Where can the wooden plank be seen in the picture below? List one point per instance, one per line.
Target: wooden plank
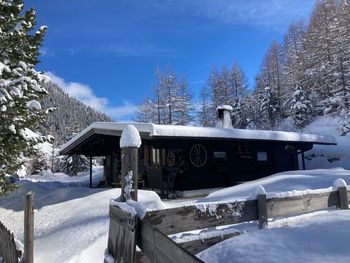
(160, 248)
(122, 241)
(343, 198)
(201, 216)
(122, 217)
(8, 248)
(197, 246)
(262, 210)
(301, 204)
(29, 228)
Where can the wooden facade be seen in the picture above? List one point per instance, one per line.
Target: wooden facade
(190, 162)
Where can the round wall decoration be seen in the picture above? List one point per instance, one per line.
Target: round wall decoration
(198, 155)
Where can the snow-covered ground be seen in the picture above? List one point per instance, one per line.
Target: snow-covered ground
(71, 220)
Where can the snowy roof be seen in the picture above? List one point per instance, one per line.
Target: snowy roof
(150, 130)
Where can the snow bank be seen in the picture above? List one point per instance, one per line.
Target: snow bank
(316, 238)
(328, 156)
(285, 184)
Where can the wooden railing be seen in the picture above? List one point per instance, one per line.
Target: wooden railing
(151, 233)
(8, 250)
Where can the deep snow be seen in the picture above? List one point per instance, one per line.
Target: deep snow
(71, 220)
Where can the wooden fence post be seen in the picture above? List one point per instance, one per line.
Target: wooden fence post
(29, 228)
(341, 185)
(130, 141)
(262, 207)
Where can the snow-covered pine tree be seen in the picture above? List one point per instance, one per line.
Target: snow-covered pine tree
(73, 164)
(268, 107)
(183, 106)
(271, 75)
(301, 108)
(238, 84)
(20, 88)
(205, 115)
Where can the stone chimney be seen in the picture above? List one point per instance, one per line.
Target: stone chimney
(224, 116)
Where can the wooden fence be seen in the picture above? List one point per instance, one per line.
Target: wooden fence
(8, 250)
(153, 230)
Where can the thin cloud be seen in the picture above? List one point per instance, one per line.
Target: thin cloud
(254, 12)
(140, 50)
(85, 94)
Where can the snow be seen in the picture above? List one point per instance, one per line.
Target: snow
(260, 190)
(34, 104)
(154, 130)
(319, 237)
(286, 184)
(224, 107)
(130, 137)
(12, 128)
(332, 155)
(338, 183)
(71, 220)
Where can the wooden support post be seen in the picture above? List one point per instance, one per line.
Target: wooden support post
(130, 141)
(343, 198)
(303, 159)
(262, 210)
(90, 171)
(29, 228)
(129, 163)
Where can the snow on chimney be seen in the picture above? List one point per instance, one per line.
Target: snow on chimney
(224, 116)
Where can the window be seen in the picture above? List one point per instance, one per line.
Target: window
(261, 156)
(220, 155)
(155, 156)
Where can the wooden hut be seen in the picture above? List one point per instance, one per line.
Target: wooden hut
(188, 158)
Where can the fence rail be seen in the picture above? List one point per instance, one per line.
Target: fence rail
(153, 230)
(8, 250)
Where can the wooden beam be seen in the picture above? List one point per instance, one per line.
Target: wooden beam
(301, 204)
(199, 245)
(159, 248)
(181, 219)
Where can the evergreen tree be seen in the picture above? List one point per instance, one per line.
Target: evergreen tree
(20, 87)
(74, 164)
(268, 107)
(205, 116)
(301, 108)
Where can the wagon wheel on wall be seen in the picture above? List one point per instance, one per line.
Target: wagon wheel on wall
(198, 155)
(170, 159)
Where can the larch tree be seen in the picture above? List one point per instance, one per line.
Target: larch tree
(20, 87)
(293, 61)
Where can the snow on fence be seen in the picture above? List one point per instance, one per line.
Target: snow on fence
(8, 250)
(151, 232)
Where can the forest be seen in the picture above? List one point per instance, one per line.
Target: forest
(305, 75)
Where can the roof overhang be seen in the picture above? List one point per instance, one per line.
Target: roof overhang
(153, 131)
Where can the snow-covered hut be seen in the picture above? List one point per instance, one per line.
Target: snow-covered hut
(200, 157)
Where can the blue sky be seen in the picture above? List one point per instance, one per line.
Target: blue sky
(105, 52)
